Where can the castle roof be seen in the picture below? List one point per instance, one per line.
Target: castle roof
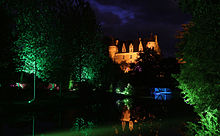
(135, 44)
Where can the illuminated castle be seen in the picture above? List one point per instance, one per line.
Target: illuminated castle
(129, 51)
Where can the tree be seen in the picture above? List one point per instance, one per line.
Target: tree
(32, 45)
(148, 66)
(33, 29)
(82, 51)
(200, 75)
(6, 56)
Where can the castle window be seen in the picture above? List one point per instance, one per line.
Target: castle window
(123, 56)
(130, 56)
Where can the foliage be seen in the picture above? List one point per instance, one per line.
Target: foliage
(199, 77)
(60, 41)
(128, 102)
(111, 73)
(125, 102)
(32, 45)
(6, 56)
(208, 124)
(81, 125)
(149, 63)
(127, 90)
(83, 51)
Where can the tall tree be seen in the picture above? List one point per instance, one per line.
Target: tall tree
(32, 44)
(6, 56)
(83, 50)
(148, 66)
(200, 75)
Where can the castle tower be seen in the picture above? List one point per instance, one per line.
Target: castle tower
(157, 48)
(113, 49)
(116, 42)
(155, 37)
(140, 47)
(123, 48)
(154, 44)
(131, 48)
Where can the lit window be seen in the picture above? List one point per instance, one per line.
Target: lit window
(130, 56)
(123, 57)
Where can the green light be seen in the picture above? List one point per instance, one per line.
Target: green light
(127, 91)
(82, 126)
(86, 74)
(32, 43)
(70, 84)
(199, 76)
(127, 102)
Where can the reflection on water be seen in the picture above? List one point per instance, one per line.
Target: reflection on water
(127, 101)
(135, 120)
(128, 117)
(33, 126)
(82, 126)
(161, 93)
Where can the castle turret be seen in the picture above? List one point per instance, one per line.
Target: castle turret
(113, 49)
(123, 48)
(155, 37)
(154, 44)
(140, 47)
(157, 48)
(116, 42)
(131, 48)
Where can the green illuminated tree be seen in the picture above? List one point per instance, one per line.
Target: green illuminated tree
(33, 28)
(83, 51)
(200, 75)
(30, 44)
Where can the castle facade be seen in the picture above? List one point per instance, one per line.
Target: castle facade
(128, 51)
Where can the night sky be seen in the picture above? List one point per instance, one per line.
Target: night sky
(124, 19)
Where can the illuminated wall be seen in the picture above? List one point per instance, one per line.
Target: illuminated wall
(112, 51)
(130, 56)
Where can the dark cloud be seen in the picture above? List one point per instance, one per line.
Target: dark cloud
(124, 19)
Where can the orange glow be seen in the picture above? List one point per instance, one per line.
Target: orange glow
(130, 56)
(131, 125)
(116, 130)
(126, 118)
(181, 61)
(126, 115)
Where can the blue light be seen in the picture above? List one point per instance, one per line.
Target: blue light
(161, 93)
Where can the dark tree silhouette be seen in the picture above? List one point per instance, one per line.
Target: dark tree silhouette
(148, 66)
(6, 38)
(82, 51)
